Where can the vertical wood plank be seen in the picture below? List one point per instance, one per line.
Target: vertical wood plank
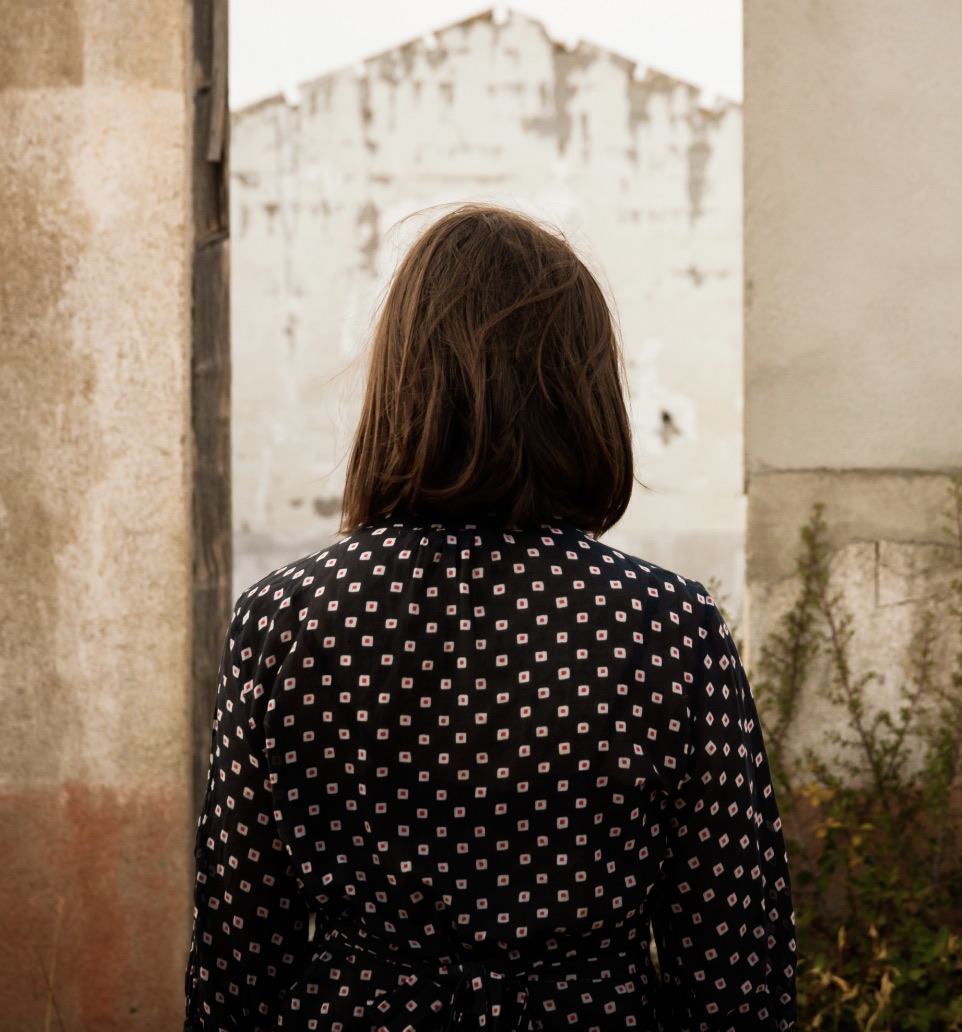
(217, 130)
(210, 371)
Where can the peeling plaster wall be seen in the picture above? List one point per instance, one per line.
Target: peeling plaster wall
(94, 514)
(854, 313)
(643, 179)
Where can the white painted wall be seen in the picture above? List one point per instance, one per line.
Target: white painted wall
(644, 182)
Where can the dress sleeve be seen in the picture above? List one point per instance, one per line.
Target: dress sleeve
(723, 921)
(250, 924)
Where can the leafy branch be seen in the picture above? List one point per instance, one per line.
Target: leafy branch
(875, 817)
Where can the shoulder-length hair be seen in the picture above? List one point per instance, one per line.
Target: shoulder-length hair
(495, 386)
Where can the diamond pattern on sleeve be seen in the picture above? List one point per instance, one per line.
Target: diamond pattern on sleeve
(490, 764)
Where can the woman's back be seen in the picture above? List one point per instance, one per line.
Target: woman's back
(493, 758)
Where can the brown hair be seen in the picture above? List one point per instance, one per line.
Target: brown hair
(495, 387)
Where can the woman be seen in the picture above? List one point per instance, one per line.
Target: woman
(490, 754)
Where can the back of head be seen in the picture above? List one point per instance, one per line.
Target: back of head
(495, 385)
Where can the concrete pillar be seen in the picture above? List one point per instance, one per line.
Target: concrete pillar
(96, 810)
(853, 254)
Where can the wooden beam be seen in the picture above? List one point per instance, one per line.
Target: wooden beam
(219, 117)
(210, 371)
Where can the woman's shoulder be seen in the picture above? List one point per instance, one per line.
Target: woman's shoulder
(424, 550)
(674, 604)
(561, 542)
(656, 581)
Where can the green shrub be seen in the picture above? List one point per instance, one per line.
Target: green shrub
(873, 820)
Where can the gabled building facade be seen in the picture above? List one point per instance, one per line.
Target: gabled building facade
(643, 178)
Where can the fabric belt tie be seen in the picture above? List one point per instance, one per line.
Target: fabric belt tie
(457, 997)
(472, 996)
(468, 995)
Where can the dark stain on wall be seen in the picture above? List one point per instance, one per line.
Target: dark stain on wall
(699, 153)
(640, 92)
(364, 101)
(368, 231)
(91, 889)
(408, 55)
(667, 427)
(327, 507)
(556, 120)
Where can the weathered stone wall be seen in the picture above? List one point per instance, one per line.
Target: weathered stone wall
(95, 822)
(643, 179)
(854, 308)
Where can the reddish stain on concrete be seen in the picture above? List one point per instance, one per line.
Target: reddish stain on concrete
(94, 908)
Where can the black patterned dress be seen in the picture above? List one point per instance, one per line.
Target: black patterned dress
(460, 778)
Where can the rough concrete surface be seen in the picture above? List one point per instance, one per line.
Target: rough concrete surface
(896, 506)
(94, 907)
(94, 514)
(853, 248)
(853, 313)
(889, 561)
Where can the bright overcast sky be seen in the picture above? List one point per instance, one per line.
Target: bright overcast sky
(276, 44)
